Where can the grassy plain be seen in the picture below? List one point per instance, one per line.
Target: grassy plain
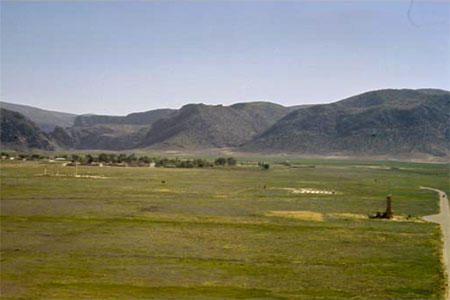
(218, 233)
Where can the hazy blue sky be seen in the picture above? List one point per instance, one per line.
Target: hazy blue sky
(117, 57)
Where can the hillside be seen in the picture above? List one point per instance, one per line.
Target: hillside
(46, 120)
(19, 133)
(141, 118)
(378, 122)
(385, 122)
(103, 132)
(208, 126)
(100, 137)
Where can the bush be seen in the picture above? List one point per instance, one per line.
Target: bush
(35, 157)
(231, 161)
(221, 161)
(121, 158)
(89, 158)
(103, 157)
(264, 165)
(144, 159)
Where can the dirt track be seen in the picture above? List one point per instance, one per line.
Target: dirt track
(443, 218)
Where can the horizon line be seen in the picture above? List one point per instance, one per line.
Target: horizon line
(198, 103)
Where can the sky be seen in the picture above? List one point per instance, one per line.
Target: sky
(118, 57)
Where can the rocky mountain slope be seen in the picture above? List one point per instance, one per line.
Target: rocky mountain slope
(100, 137)
(385, 122)
(141, 118)
(378, 122)
(104, 132)
(46, 120)
(207, 126)
(19, 133)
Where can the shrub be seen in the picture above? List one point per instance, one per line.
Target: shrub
(221, 161)
(231, 161)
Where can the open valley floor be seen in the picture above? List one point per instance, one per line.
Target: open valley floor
(290, 231)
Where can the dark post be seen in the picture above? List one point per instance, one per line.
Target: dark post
(389, 212)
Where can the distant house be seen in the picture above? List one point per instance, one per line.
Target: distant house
(60, 159)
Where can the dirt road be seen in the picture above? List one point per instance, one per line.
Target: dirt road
(443, 218)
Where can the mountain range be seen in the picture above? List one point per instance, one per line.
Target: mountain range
(46, 120)
(19, 133)
(399, 122)
(379, 122)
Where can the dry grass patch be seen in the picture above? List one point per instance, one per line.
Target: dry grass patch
(347, 216)
(302, 215)
(163, 190)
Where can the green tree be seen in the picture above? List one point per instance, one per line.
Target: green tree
(231, 161)
(144, 159)
(121, 158)
(200, 163)
(103, 157)
(131, 158)
(221, 161)
(112, 157)
(89, 158)
(161, 162)
(35, 157)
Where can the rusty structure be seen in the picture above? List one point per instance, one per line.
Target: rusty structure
(388, 214)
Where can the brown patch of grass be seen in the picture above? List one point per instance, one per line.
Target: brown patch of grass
(302, 215)
(347, 216)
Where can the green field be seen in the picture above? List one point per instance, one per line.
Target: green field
(215, 232)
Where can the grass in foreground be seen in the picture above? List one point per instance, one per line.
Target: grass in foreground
(218, 233)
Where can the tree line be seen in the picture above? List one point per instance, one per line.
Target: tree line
(130, 159)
